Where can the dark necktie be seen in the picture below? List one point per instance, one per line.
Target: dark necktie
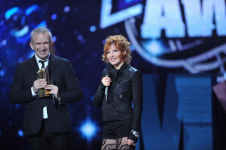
(42, 61)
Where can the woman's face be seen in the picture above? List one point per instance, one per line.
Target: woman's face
(114, 57)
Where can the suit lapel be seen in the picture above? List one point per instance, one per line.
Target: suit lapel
(33, 64)
(52, 64)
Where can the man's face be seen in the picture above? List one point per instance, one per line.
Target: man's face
(41, 44)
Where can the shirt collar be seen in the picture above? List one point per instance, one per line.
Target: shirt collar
(37, 59)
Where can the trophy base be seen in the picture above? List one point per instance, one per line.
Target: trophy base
(43, 93)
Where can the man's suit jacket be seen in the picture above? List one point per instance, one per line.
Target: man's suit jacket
(69, 91)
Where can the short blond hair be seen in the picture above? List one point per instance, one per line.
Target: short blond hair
(41, 30)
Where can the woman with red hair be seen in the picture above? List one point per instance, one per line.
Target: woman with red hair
(120, 94)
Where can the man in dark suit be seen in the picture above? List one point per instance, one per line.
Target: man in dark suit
(46, 121)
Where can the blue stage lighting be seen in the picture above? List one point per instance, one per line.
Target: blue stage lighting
(4, 42)
(92, 28)
(31, 54)
(66, 9)
(154, 47)
(2, 22)
(54, 16)
(22, 32)
(15, 18)
(10, 12)
(79, 37)
(20, 59)
(104, 41)
(20, 133)
(42, 24)
(88, 129)
(31, 9)
(128, 1)
(54, 38)
(2, 73)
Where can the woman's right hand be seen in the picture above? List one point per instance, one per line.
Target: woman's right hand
(106, 81)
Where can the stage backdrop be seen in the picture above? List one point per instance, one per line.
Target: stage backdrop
(167, 36)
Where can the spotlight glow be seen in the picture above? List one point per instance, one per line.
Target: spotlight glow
(92, 28)
(20, 133)
(11, 12)
(31, 9)
(22, 32)
(153, 46)
(31, 54)
(4, 42)
(54, 38)
(79, 37)
(88, 129)
(42, 24)
(66, 9)
(2, 73)
(54, 16)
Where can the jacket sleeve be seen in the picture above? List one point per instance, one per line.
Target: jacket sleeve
(18, 94)
(98, 97)
(74, 91)
(137, 92)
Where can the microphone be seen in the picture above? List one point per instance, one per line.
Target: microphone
(53, 96)
(106, 88)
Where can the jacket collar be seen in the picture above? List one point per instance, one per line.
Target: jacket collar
(114, 73)
(52, 63)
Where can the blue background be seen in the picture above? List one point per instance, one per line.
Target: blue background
(77, 36)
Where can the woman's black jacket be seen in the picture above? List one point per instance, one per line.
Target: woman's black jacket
(126, 88)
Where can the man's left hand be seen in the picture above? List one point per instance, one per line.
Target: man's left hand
(53, 90)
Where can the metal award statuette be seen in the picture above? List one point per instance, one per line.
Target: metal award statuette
(41, 74)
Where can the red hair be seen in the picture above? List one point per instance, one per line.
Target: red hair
(121, 44)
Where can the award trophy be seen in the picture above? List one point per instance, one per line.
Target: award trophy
(42, 74)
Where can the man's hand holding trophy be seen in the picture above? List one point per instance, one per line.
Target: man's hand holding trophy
(43, 86)
(41, 83)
